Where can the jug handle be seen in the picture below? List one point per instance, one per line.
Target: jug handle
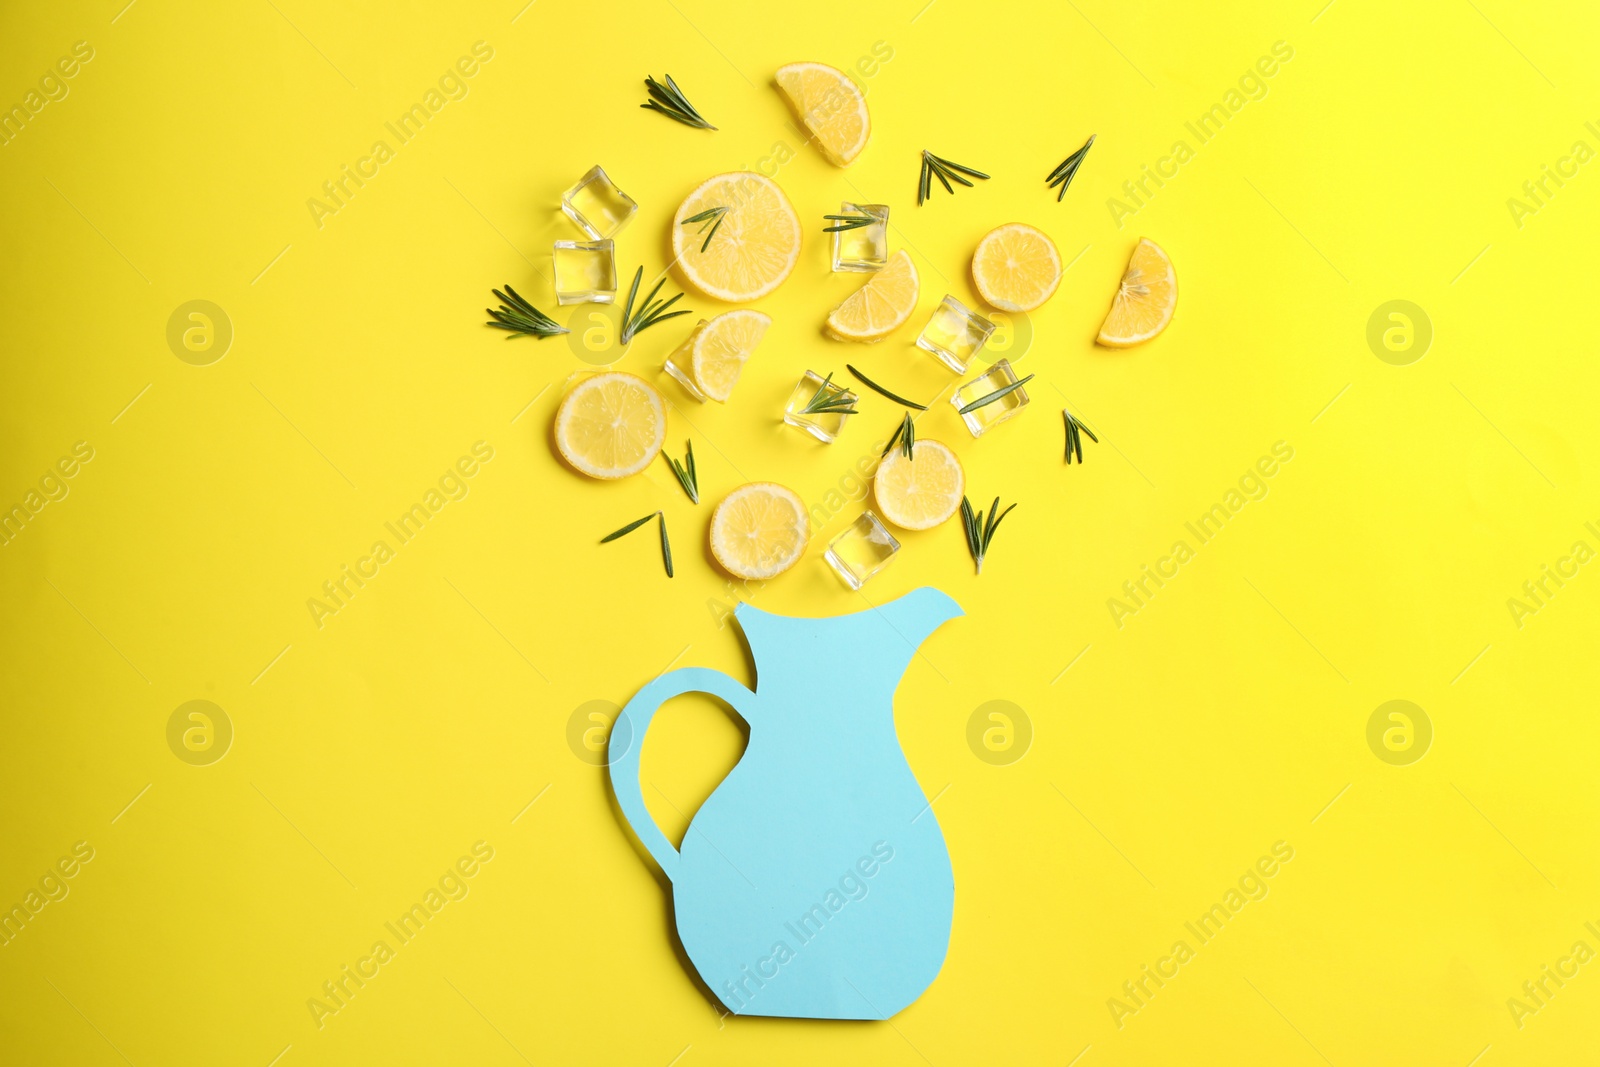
(624, 768)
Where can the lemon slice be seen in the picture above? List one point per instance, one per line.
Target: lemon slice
(831, 108)
(611, 425)
(759, 530)
(722, 346)
(1145, 299)
(754, 247)
(921, 492)
(1016, 267)
(874, 311)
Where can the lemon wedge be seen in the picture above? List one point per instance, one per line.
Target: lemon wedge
(1145, 299)
(721, 347)
(830, 106)
(875, 310)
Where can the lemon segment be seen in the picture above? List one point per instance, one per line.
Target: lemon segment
(754, 247)
(721, 347)
(611, 425)
(921, 492)
(881, 306)
(830, 106)
(759, 530)
(1016, 267)
(1145, 298)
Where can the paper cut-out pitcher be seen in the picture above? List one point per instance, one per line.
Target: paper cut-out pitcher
(814, 881)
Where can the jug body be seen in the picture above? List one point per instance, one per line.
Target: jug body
(839, 908)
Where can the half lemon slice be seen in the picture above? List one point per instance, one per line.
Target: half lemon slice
(1145, 298)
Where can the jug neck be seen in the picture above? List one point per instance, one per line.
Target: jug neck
(844, 660)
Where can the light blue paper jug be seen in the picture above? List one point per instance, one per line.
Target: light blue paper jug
(814, 881)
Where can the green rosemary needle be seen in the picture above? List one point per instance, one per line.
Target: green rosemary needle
(875, 387)
(711, 217)
(1068, 167)
(946, 171)
(628, 529)
(906, 435)
(666, 547)
(649, 312)
(518, 316)
(990, 398)
(848, 222)
(685, 472)
(830, 399)
(1075, 442)
(980, 531)
(670, 101)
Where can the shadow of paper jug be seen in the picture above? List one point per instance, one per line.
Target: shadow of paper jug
(814, 881)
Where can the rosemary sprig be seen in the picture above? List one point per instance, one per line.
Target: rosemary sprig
(1068, 167)
(935, 167)
(711, 217)
(875, 387)
(685, 472)
(848, 222)
(990, 398)
(1075, 442)
(980, 531)
(666, 548)
(516, 315)
(649, 313)
(906, 435)
(830, 399)
(670, 101)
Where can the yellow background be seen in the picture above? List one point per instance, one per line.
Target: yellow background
(1228, 714)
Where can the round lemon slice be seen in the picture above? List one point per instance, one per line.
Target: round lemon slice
(721, 348)
(611, 425)
(1016, 267)
(759, 530)
(830, 106)
(881, 306)
(745, 251)
(921, 492)
(1145, 299)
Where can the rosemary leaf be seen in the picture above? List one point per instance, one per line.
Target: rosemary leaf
(875, 387)
(517, 316)
(632, 526)
(848, 222)
(666, 546)
(946, 171)
(670, 101)
(990, 398)
(1074, 441)
(649, 312)
(1067, 168)
(905, 435)
(684, 472)
(980, 531)
(712, 217)
(830, 399)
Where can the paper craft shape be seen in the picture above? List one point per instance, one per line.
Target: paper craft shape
(814, 881)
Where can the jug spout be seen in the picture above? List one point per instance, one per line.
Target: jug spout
(916, 615)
